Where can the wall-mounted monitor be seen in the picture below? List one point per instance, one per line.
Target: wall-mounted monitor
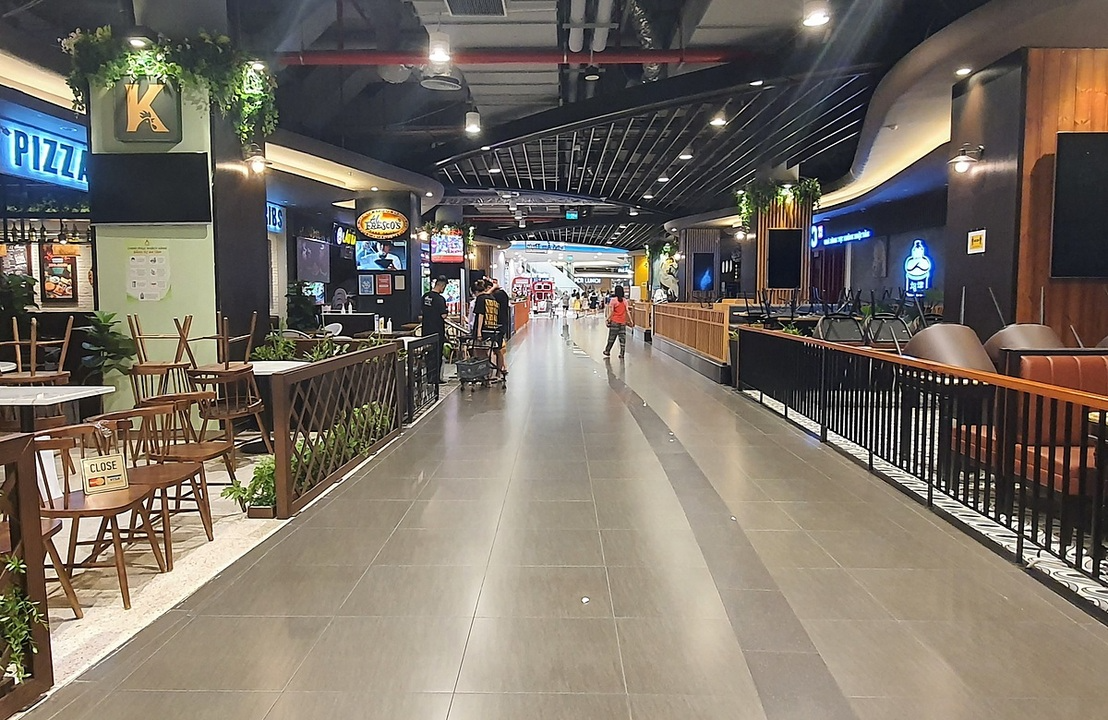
(149, 188)
(1080, 190)
(313, 261)
(448, 246)
(785, 248)
(703, 272)
(380, 255)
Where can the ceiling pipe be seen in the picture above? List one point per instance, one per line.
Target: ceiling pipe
(603, 20)
(576, 25)
(512, 56)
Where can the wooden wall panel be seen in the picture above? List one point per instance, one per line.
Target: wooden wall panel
(784, 215)
(1067, 91)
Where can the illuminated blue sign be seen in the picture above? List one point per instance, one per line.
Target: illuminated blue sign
(571, 214)
(817, 237)
(38, 154)
(917, 270)
(274, 218)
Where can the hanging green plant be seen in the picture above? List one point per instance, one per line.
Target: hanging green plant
(206, 68)
(808, 190)
(760, 195)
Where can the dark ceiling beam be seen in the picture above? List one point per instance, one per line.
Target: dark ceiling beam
(515, 56)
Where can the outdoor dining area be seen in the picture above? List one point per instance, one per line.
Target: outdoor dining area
(153, 439)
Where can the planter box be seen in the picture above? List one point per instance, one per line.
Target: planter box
(262, 512)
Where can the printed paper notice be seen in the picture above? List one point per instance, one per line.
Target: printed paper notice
(148, 272)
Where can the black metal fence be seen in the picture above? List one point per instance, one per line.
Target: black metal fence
(1025, 453)
(424, 368)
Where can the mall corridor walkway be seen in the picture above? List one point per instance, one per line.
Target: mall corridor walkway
(603, 541)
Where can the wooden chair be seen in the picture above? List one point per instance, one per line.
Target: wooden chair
(146, 434)
(152, 378)
(230, 394)
(188, 443)
(50, 528)
(107, 507)
(36, 365)
(224, 344)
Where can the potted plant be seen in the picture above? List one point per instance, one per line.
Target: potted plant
(258, 498)
(17, 293)
(18, 617)
(106, 351)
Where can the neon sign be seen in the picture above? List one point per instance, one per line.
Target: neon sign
(917, 270)
(274, 218)
(37, 154)
(817, 237)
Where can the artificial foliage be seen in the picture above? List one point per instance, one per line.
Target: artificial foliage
(205, 68)
(760, 195)
(17, 294)
(107, 350)
(19, 616)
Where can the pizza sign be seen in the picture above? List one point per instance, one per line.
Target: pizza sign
(382, 223)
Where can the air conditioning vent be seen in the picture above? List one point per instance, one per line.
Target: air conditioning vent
(470, 8)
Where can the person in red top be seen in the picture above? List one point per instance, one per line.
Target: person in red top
(618, 314)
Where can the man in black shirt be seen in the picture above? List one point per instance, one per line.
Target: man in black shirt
(501, 297)
(434, 323)
(486, 324)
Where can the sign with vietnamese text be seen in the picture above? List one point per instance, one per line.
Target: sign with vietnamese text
(147, 110)
(540, 246)
(382, 223)
(38, 154)
(819, 237)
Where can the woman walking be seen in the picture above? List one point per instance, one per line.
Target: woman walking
(618, 315)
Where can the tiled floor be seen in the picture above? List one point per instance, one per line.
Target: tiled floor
(609, 540)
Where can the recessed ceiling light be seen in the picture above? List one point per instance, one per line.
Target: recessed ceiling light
(648, 196)
(816, 13)
(430, 194)
(495, 170)
(374, 189)
(632, 212)
(718, 121)
(486, 148)
(663, 179)
(757, 83)
(592, 74)
(963, 71)
(685, 155)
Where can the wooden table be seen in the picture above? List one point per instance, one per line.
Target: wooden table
(29, 398)
(264, 368)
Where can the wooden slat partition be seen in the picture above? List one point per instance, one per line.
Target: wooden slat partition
(643, 315)
(785, 214)
(703, 330)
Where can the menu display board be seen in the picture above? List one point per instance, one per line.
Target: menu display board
(59, 277)
(448, 246)
(15, 259)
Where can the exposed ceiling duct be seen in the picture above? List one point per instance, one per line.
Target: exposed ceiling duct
(576, 25)
(603, 20)
(648, 39)
(476, 8)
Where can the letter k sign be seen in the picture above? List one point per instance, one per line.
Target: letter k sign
(141, 109)
(147, 110)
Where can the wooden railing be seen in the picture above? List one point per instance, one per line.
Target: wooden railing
(328, 417)
(703, 330)
(19, 504)
(642, 313)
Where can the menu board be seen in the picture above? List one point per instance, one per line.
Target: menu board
(15, 259)
(448, 246)
(59, 276)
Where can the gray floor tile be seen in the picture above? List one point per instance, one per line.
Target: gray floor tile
(364, 706)
(436, 547)
(453, 514)
(651, 549)
(193, 705)
(224, 653)
(694, 707)
(110, 671)
(737, 567)
(642, 490)
(798, 686)
(664, 592)
(805, 485)
(644, 467)
(486, 467)
(530, 655)
(385, 655)
(383, 487)
(764, 622)
(762, 516)
(348, 513)
(865, 549)
(571, 488)
(408, 590)
(564, 548)
(549, 515)
(328, 546)
(550, 592)
(789, 549)
(828, 594)
(545, 706)
(486, 489)
(641, 515)
(938, 707)
(273, 589)
(73, 701)
(683, 656)
(552, 468)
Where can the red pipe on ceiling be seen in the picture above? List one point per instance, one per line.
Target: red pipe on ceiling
(508, 56)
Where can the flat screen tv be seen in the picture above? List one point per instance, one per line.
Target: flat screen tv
(149, 188)
(1080, 191)
(448, 247)
(380, 255)
(313, 261)
(785, 247)
(703, 272)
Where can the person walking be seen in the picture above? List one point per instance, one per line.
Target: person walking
(434, 323)
(486, 314)
(618, 315)
(565, 303)
(578, 305)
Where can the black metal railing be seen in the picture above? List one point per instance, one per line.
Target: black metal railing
(424, 368)
(1025, 452)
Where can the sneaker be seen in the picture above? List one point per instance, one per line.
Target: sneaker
(607, 354)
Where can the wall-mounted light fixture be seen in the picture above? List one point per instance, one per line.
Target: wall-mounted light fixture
(966, 157)
(473, 122)
(255, 160)
(140, 37)
(438, 47)
(816, 13)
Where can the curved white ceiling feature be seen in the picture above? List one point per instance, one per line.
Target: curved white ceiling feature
(909, 115)
(35, 81)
